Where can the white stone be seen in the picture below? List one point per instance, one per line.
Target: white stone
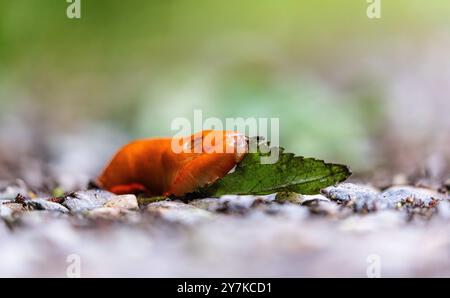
(125, 202)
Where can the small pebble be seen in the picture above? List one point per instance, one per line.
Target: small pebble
(362, 198)
(307, 199)
(414, 196)
(81, 201)
(124, 201)
(42, 204)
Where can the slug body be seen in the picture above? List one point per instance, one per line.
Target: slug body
(173, 166)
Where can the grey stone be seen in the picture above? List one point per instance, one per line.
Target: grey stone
(413, 196)
(42, 204)
(87, 200)
(360, 197)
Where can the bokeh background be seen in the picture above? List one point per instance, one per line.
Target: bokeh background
(371, 93)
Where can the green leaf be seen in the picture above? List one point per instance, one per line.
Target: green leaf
(289, 174)
(57, 192)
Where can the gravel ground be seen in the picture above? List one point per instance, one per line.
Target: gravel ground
(348, 230)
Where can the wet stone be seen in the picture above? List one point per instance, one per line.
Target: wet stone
(87, 200)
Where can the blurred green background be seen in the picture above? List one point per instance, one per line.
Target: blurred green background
(370, 93)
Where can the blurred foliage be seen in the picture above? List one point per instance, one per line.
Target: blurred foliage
(138, 64)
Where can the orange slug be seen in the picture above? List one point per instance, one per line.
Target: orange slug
(173, 166)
